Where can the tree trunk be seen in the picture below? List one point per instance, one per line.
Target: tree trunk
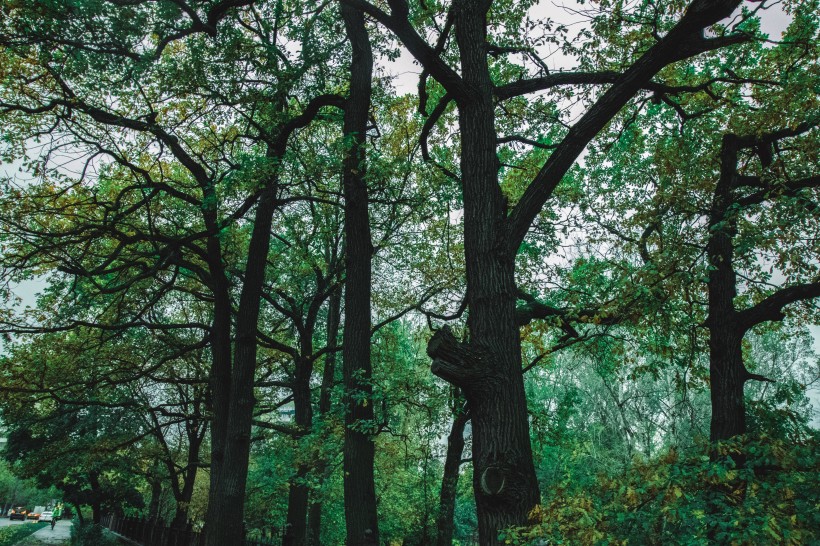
(228, 525)
(79, 511)
(298, 491)
(195, 434)
(96, 498)
(359, 487)
(488, 370)
(156, 493)
(726, 370)
(220, 377)
(449, 481)
(328, 377)
(728, 375)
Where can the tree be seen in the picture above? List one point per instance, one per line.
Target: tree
(488, 368)
(730, 204)
(360, 494)
(211, 159)
(710, 193)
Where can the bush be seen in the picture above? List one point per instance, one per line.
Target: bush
(683, 500)
(14, 533)
(92, 535)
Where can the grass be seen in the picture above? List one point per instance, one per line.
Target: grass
(14, 533)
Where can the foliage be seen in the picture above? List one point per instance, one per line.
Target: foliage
(92, 535)
(671, 499)
(12, 534)
(147, 134)
(20, 492)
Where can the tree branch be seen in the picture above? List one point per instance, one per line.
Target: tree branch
(398, 23)
(453, 361)
(771, 308)
(683, 41)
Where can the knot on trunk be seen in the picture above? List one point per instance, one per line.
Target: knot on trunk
(453, 361)
(493, 480)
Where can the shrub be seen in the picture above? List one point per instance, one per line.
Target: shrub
(92, 535)
(681, 500)
(14, 533)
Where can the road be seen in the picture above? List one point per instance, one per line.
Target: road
(4, 521)
(61, 534)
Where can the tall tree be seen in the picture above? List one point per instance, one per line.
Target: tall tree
(736, 196)
(359, 450)
(488, 368)
(146, 114)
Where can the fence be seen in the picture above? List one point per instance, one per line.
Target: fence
(155, 533)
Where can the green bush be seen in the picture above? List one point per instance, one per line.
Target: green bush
(92, 535)
(14, 533)
(690, 500)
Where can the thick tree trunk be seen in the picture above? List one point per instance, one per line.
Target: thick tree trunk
(488, 370)
(359, 487)
(328, 377)
(228, 525)
(449, 481)
(728, 375)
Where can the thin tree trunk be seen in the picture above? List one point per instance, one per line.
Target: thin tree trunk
(156, 493)
(219, 377)
(320, 465)
(298, 491)
(449, 481)
(80, 517)
(186, 493)
(96, 496)
(359, 487)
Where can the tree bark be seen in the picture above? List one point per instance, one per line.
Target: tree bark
(359, 488)
(220, 374)
(320, 465)
(298, 491)
(186, 492)
(228, 525)
(449, 481)
(505, 486)
(726, 369)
